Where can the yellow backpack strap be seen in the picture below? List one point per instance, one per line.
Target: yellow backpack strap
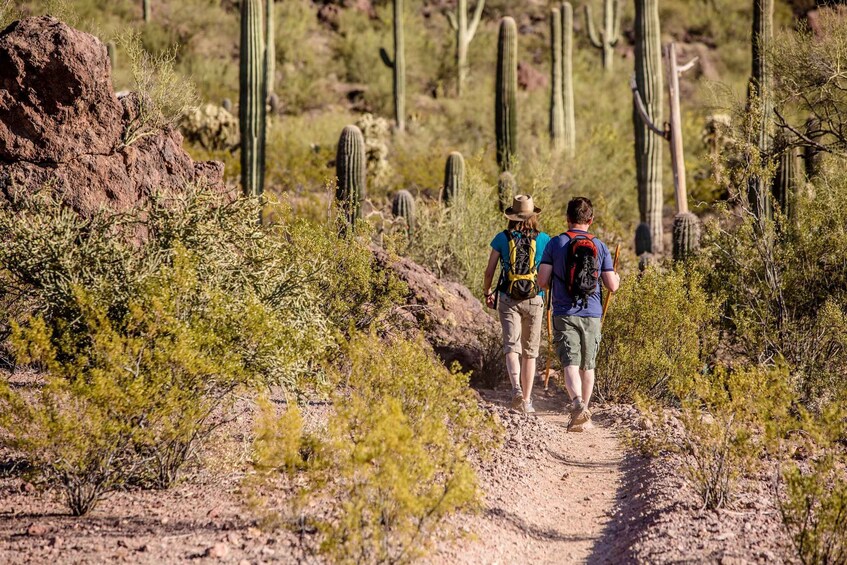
(512, 253)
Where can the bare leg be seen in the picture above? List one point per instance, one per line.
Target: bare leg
(527, 377)
(573, 381)
(587, 385)
(513, 367)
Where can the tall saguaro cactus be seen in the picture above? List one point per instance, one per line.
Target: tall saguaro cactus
(398, 65)
(145, 8)
(608, 37)
(567, 78)
(252, 98)
(759, 97)
(270, 49)
(454, 178)
(557, 110)
(648, 81)
(506, 94)
(351, 170)
(465, 32)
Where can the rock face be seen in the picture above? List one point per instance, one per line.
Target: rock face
(452, 320)
(61, 125)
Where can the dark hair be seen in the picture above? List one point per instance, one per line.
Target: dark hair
(580, 210)
(529, 225)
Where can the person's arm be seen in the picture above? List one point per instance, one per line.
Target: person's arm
(493, 258)
(611, 279)
(545, 275)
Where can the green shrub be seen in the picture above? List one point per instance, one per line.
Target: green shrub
(658, 329)
(392, 462)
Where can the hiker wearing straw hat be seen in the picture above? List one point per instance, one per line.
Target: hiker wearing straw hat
(575, 263)
(517, 297)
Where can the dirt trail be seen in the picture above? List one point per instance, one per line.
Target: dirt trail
(549, 504)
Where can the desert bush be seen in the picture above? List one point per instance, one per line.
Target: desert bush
(392, 462)
(165, 95)
(659, 329)
(726, 422)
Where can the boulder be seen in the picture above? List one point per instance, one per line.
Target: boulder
(61, 126)
(451, 319)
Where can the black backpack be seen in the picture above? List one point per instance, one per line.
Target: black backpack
(520, 282)
(582, 267)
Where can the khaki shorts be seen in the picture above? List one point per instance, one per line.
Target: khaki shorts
(577, 340)
(521, 322)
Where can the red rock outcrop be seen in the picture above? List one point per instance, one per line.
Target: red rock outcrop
(61, 125)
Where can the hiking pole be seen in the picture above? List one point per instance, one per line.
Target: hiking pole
(549, 335)
(608, 298)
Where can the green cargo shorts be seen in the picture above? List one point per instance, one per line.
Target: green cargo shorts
(577, 340)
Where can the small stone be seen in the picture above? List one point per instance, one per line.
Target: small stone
(36, 529)
(27, 487)
(56, 541)
(218, 551)
(565, 476)
(214, 512)
(164, 521)
(645, 424)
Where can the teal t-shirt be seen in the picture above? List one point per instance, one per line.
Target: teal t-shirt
(500, 243)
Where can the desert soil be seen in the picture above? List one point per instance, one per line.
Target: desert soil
(550, 497)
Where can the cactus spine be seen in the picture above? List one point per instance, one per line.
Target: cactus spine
(454, 179)
(686, 236)
(507, 186)
(270, 49)
(557, 110)
(567, 78)
(398, 65)
(145, 7)
(609, 35)
(350, 167)
(464, 35)
(648, 80)
(252, 99)
(505, 94)
(759, 96)
(403, 206)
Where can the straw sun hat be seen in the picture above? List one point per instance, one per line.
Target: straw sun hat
(522, 208)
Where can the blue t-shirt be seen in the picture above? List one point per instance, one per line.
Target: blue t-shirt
(500, 243)
(563, 305)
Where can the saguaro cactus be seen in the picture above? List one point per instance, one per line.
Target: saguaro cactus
(465, 32)
(759, 100)
(505, 95)
(398, 65)
(648, 82)
(111, 51)
(351, 169)
(557, 110)
(145, 8)
(403, 206)
(609, 35)
(270, 49)
(454, 178)
(567, 78)
(686, 236)
(252, 98)
(507, 186)
(789, 175)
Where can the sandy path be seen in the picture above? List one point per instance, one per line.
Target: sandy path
(549, 505)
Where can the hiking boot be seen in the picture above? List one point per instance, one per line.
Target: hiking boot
(575, 427)
(528, 408)
(579, 413)
(517, 399)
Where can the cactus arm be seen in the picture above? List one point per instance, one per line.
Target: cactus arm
(616, 19)
(451, 19)
(477, 16)
(592, 31)
(642, 111)
(688, 66)
(383, 54)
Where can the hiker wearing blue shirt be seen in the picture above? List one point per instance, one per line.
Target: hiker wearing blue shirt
(518, 298)
(575, 263)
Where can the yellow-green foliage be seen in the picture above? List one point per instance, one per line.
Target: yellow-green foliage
(727, 421)
(393, 461)
(657, 330)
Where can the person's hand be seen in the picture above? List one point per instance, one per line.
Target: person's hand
(489, 300)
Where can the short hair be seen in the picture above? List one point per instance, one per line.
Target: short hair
(580, 210)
